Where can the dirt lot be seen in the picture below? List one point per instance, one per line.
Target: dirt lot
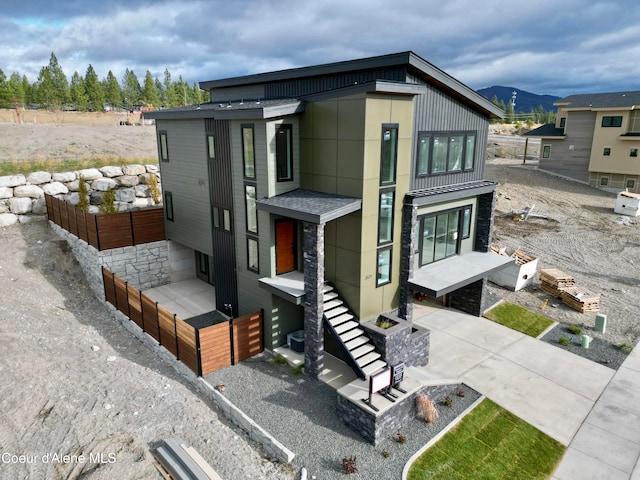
(41, 136)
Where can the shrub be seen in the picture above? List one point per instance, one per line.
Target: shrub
(83, 192)
(280, 360)
(401, 439)
(447, 402)
(427, 411)
(349, 465)
(625, 347)
(384, 323)
(576, 330)
(564, 341)
(108, 205)
(297, 370)
(385, 453)
(154, 189)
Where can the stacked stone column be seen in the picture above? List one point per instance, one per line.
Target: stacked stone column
(313, 242)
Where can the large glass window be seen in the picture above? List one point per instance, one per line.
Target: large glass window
(612, 121)
(439, 234)
(252, 213)
(383, 270)
(248, 153)
(385, 216)
(389, 154)
(443, 152)
(164, 147)
(252, 254)
(284, 153)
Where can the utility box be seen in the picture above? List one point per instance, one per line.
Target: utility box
(601, 323)
(628, 203)
(295, 340)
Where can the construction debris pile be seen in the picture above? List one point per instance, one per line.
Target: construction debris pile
(560, 285)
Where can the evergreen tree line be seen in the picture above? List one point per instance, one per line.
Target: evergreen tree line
(537, 115)
(52, 90)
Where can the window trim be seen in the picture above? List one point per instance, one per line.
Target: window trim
(563, 122)
(604, 181)
(246, 206)
(613, 121)
(382, 191)
(394, 153)
(430, 135)
(388, 248)
(633, 152)
(606, 151)
(546, 151)
(163, 145)
(290, 176)
(168, 206)
(630, 183)
(257, 242)
(243, 127)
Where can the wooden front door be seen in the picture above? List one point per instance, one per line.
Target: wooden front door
(285, 246)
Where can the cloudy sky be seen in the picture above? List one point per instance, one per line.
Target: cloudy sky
(546, 46)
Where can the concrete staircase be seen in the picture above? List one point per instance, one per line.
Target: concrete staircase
(344, 327)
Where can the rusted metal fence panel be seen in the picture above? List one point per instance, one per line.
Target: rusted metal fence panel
(247, 336)
(215, 347)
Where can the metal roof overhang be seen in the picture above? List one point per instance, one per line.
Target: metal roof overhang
(449, 193)
(310, 206)
(250, 110)
(450, 274)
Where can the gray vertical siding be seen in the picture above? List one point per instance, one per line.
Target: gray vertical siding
(574, 162)
(231, 94)
(437, 112)
(185, 176)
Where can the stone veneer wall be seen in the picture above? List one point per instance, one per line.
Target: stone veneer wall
(402, 343)
(22, 196)
(143, 266)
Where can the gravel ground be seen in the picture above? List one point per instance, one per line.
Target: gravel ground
(301, 413)
(600, 351)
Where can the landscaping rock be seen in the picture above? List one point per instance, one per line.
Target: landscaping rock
(74, 186)
(142, 203)
(12, 180)
(32, 191)
(63, 177)
(104, 184)
(95, 198)
(152, 168)
(39, 207)
(128, 180)
(125, 195)
(133, 170)
(7, 219)
(55, 188)
(20, 205)
(6, 192)
(144, 178)
(38, 178)
(111, 171)
(90, 174)
(142, 191)
(73, 198)
(4, 207)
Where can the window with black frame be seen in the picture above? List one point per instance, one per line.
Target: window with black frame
(440, 234)
(445, 152)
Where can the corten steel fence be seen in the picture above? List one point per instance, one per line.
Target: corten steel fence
(203, 350)
(103, 232)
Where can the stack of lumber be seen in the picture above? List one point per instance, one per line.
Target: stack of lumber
(581, 300)
(555, 281)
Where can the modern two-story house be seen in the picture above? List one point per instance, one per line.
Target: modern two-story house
(331, 194)
(596, 139)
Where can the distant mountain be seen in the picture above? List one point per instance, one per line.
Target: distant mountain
(525, 101)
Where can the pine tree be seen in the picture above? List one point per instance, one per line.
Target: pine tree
(171, 98)
(17, 88)
(28, 90)
(149, 90)
(5, 92)
(131, 89)
(78, 93)
(161, 92)
(59, 81)
(95, 94)
(199, 96)
(112, 91)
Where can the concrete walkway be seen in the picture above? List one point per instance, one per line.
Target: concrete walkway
(607, 446)
(546, 386)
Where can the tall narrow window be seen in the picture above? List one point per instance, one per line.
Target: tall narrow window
(248, 153)
(466, 222)
(211, 146)
(385, 216)
(164, 147)
(469, 152)
(424, 148)
(546, 151)
(439, 154)
(168, 206)
(216, 217)
(456, 146)
(284, 153)
(252, 254)
(383, 271)
(252, 213)
(226, 220)
(389, 154)
(428, 240)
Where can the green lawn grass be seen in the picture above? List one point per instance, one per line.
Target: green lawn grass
(519, 318)
(489, 443)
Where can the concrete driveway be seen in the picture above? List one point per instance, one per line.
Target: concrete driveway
(550, 388)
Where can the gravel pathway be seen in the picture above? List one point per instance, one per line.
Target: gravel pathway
(301, 413)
